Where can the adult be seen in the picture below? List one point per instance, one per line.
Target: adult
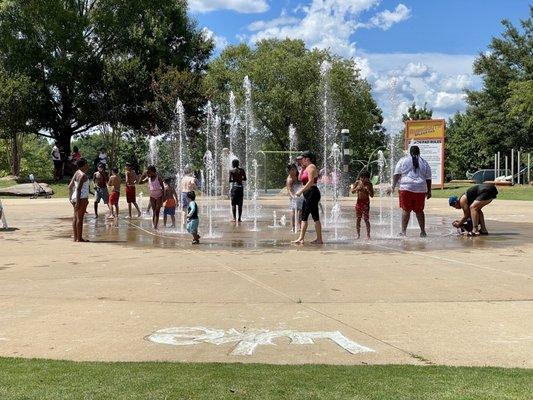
(58, 163)
(413, 174)
(79, 198)
(131, 195)
(311, 194)
(237, 177)
(101, 193)
(155, 186)
(102, 156)
(293, 185)
(188, 184)
(472, 202)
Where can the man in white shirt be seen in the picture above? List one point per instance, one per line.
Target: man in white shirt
(413, 173)
(102, 157)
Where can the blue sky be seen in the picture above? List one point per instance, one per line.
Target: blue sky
(422, 48)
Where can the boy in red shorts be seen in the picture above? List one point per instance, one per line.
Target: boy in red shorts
(364, 190)
(131, 195)
(114, 183)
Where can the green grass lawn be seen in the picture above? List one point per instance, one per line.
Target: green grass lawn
(43, 380)
(522, 192)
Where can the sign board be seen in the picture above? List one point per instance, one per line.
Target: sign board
(429, 136)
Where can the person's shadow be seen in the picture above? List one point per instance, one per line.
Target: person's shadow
(8, 229)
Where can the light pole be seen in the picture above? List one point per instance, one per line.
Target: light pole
(346, 159)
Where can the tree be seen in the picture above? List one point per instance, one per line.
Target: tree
(415, 114)
(503, 68)
(287, 90)
(95, 61)
(462, 154)
(15, 94)
(499, 116)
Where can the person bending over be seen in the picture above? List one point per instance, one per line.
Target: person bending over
(472, 203)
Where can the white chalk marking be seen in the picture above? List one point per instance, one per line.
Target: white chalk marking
(249, 340)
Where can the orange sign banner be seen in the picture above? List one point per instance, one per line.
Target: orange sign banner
(424, 129)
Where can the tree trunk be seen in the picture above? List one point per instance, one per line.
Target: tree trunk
(63, 139)
(15, 155)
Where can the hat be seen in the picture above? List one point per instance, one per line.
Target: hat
(299, 157)
(452, 200)
(306, 154)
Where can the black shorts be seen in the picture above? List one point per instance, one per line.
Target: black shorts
(489, 192)
(310, 205)
(237, 196)
(58, 164)
(483, 192)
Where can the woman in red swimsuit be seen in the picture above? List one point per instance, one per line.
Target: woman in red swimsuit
(311, 193)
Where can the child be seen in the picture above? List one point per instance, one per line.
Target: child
(79, 198)
(100, 187)
(192, 218)
(171, 200)
(131, 196)
(114, 183)
(364, 189)
(2, 216)
(155, 186)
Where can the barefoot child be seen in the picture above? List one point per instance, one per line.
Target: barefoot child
(155, 186)
(192, 218)
(131, 195)
(2, 216)
(100, 188)
(171, 200)
(79, 198)
(114, 183)
(364, 189)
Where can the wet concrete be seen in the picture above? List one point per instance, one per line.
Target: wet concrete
(138, 232)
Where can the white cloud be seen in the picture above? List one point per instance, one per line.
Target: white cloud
(219, 41)
(416, 70)
(438, 79)
(364, 68)
(456, 83)
(325, 24)
(386, 19)
(241, 6)
(274, 23)
(450, 101)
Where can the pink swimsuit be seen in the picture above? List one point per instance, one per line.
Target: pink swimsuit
(304, 177)
(156, 191)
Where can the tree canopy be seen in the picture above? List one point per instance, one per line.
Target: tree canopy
(287, 90)
(98, 61)
(499, 116)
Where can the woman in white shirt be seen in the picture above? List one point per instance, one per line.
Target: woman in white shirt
(413, 174)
